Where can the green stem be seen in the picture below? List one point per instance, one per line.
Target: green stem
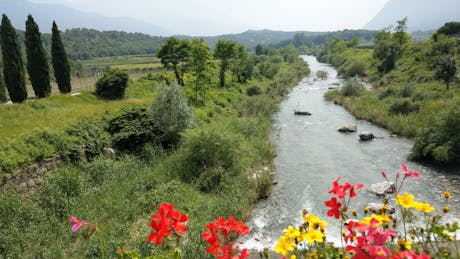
(101, 242)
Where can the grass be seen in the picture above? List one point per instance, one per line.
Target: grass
(120, 60)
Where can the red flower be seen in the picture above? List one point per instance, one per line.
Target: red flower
(166, 222)
(77, 223)
(335, 207)
(219, 234)
(407, 173)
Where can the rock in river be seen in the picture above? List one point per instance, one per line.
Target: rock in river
(348, 128)
(365, 136)
(380, 189)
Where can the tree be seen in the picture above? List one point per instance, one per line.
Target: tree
(3, 97)
(201, 66)
(112, 84)
(60, 62)
(174, 54)
(446, 69)
(13, 68)
(225, 50)
(37, 62)
(241, 64)
(389, 47)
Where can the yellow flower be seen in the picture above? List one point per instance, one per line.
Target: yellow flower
(284, 246)
(406, 200)
(446, 209)
(423, 207)
(314, 222)
(312, 236)
(382, 219)
(366, 210)
(354, 213)
(446, 194)
(292, 232)
(404, 245)
(293, 257)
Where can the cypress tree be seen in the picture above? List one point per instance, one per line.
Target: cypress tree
(2, 90)
(60, 62)
(13, 68)
(37, 62)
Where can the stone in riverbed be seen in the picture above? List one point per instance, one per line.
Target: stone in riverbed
(348, 128)
(366, 136)
(383, 188)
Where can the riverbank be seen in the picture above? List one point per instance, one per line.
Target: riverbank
(409, 100)
(228, 147)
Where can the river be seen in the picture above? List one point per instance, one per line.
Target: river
(311, 153)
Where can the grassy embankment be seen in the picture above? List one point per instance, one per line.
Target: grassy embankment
(408, 100)
(227, 144)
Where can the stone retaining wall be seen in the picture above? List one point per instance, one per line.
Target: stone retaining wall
(25, 179)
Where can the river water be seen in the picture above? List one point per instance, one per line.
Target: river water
(311, 153)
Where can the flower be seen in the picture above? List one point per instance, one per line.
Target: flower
(167, 222)
(314, 222)
(423, 207)
(446, 195)
(77, 223)
(406, 200)
(313, 236)
(292, 232)
(407, 173)
(284, 246)
(446, 209)
(219, 234)
(335, 208)
(404, 245)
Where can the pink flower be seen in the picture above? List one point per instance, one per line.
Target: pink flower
(407, 173)
(77, 223)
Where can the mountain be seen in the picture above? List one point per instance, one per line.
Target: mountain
(422, 15)
(67, 18)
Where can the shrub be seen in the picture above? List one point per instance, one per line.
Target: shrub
(260, 105)
(406, 90)
(132, 127)
(112, 84)
(267, 69)
(352, 87)
(171, 114)
(356, 68)
(93, 136)
(253, 90)
(402, 106)
(205, 150)
(321, 74)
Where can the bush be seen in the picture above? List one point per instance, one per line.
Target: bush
(267, 69)
(321, 74)
(93, 136)
(207, 150)
(260, 105)
(171, 114)
(112, 84)
(132, 127)
(356, 68)
(402, 106)
(352, 87)
(253, 90)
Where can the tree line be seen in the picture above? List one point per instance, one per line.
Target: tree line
(14, 76)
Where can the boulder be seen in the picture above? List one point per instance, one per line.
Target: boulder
(301, 113)
(377, 208)
(383, 188)
(348, 128)
(366, 136)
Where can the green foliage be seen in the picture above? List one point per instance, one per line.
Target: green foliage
(450, 28)
(173, 54)
(37, 61)
(201, 67)
(354, 68)
(446, 69)
(440, 141)
(253, 90)
(211, 151)
(112, 84)
(132, 128)
(259, 105)
(352, 87)
(171, 114)
(60, 62)
(267, 69)
(322, 74)
(402, 106)
(3, 97)
(93, 137)
(13, 68)
(224, 50)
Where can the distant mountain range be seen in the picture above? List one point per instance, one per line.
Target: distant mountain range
(67, 18)
(423, 15)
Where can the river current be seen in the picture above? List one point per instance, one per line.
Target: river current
(311, 153)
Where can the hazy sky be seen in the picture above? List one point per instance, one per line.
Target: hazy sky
(208, 17)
